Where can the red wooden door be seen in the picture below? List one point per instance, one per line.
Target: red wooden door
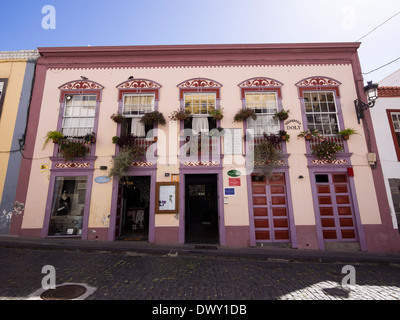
(271, 223)
(335, 207)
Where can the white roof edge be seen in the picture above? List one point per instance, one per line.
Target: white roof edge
(21, 54)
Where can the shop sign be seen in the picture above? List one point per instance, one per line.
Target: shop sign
(229, 191)
(293, 125)
(102, 179)
(234, 173)
(234, 182)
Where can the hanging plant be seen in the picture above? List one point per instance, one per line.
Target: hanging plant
(326, 150)
(178, 115)
(117, 117)
(266, 157)
(284, 135)
(70, 149)
(56, 136)
(217, 114)
(282, 115)
(115, 139)
(244, 114)
(123, 160)
(154, 117)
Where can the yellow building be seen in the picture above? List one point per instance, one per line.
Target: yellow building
(17, 69)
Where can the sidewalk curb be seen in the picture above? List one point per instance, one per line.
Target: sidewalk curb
(266, 253)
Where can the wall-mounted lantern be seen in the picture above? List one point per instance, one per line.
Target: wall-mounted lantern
(371, 90)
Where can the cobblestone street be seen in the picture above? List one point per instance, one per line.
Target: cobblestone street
(138, 276)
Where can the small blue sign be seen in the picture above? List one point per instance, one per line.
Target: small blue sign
(229, 191)
(102, 179)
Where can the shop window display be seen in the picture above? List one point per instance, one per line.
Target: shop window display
(68, 206)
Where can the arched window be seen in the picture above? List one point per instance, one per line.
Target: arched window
(137, 97)
(320, 104)
(199, 97)
(264, 96)
(80, 100)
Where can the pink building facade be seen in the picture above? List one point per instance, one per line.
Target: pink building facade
(199, 181)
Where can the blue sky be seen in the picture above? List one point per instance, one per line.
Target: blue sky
(160, 22)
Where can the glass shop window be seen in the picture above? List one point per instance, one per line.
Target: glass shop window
(68, 206)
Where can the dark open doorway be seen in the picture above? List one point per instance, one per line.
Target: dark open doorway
(135, 208)
(201, 208)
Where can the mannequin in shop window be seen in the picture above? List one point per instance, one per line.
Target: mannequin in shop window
(64, 204)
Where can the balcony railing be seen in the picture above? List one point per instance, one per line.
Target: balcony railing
(202, 147)
(71, 148)
(253, 141)
(338, 140)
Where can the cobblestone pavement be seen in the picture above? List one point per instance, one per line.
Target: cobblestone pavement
(134, 276)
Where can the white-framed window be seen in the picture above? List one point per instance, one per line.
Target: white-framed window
(79, 115)
(265, 105)
(200, 103)
(137, 104)
(321, 112)
(394, 122)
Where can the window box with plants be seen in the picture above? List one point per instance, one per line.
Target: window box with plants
(244, 114)
(326, 150)
(346, 133)
(71, 149)
(282, 115)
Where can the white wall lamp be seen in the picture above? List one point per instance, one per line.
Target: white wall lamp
(371, 89)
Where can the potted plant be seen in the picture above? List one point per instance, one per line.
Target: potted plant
(346, 133)
(122, 162)
(217, 114)
(55, 135)
(326, 150)
(178, 115)
(244, 114)
(284, 135)
(309, 134)
(282, 115)
(117, 117)
(272, 138)
(90, 138)
(154, 117)
(70, 149)
(115, 139)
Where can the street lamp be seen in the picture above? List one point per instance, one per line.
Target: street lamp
(371, 89)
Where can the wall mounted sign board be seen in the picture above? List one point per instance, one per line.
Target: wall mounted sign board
(102, 179)
(234, 173)
(167, 197)
(229, 191)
